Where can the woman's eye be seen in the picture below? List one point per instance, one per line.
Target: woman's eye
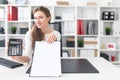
(40, 17)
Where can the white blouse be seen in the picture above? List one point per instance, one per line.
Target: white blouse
(28, 42)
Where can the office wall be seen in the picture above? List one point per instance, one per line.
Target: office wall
(72, 2)
(116, 2)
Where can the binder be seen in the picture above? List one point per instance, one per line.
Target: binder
(80, 27)
(12, 13)
(56, 26)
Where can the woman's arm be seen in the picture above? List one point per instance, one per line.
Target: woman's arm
(23, 59)
(26, 56)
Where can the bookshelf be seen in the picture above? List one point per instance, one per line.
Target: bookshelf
(17, 16)
(67, 20)
(113, 39)
(76, 23)
(87, 30)
(2, 29)
(13, 15)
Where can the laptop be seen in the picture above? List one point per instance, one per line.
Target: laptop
(77, 66)
(8, 63)
(46, 60)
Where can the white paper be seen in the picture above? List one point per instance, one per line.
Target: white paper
(44, 78)
(46, 60)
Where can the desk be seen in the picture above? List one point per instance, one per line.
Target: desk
(107, 70)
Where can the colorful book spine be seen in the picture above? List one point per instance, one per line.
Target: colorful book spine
(12, 13)
(80, 27)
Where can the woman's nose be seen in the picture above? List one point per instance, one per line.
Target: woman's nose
(37, 20)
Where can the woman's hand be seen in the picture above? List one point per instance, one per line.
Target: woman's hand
(6, 49)
(23, 59)
(52, 38)
(15, 57)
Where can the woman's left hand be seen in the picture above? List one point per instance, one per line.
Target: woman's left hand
(52, 38)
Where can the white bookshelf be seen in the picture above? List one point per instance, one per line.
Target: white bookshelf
(69, 16)
(114, 36)
(2, 27)
(88, 14)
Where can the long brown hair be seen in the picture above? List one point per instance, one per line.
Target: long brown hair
(37, 34)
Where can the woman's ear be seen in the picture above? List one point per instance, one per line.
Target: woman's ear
(49, 18)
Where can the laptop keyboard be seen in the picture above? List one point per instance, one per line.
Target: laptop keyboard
(9, 63)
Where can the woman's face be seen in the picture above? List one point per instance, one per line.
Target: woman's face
(41, 19)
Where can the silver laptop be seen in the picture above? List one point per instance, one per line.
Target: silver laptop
(46, 60)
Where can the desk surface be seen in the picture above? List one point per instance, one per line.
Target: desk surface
(107, 70)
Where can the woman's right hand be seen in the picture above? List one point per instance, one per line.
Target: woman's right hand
(52, 38)
(23, 59)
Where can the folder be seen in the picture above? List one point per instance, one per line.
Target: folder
(12, 13)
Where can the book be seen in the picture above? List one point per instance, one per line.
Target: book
(2, 15)
(12, 13)
(87, 53)
(80, 27)
(2, 42)
(65, 54)
(73, 53)
(90, 28)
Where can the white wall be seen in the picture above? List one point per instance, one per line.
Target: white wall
(116, 2)
(72, 2)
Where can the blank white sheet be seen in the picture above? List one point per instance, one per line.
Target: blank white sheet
(46, 59)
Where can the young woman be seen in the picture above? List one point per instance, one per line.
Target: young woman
(40, 31)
